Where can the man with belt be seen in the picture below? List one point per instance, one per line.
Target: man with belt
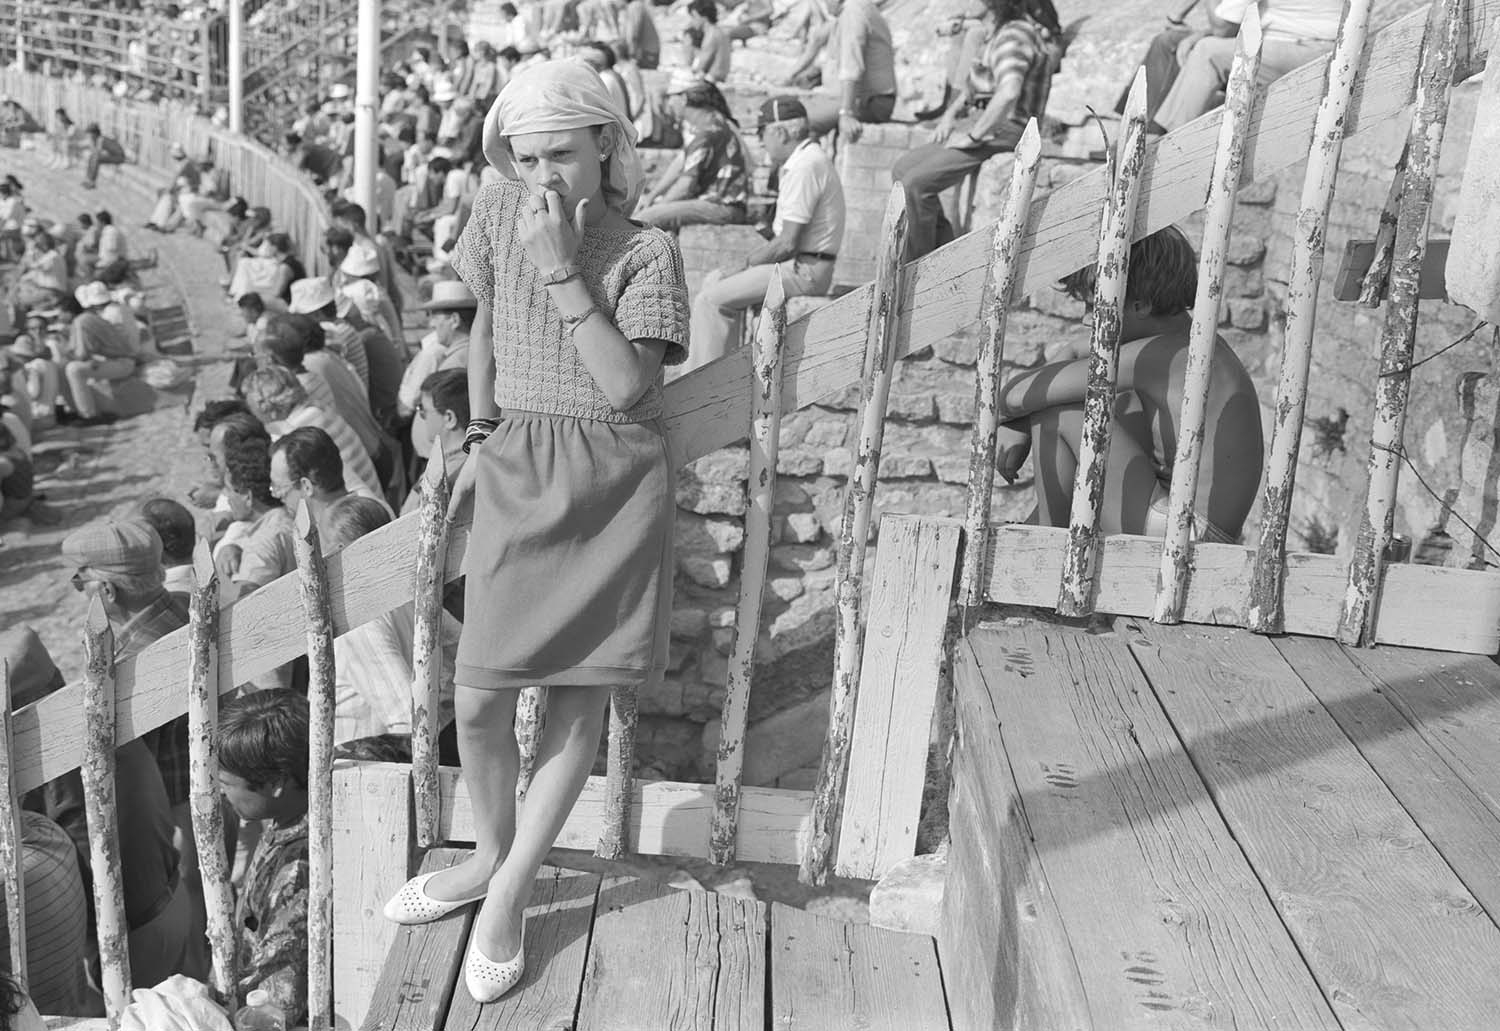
(863, 61)
(807, 229)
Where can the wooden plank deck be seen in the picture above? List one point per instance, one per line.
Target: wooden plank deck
(1235, 831)
(630, 955)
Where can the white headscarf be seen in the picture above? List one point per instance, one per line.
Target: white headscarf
(556, 96)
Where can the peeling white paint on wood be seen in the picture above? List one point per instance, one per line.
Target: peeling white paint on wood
(614, 834)
(427, 644)
(1308, 241)
(1218, 220)
(765, 428)
(11, 870)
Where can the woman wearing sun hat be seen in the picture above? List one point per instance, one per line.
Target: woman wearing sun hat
(570, 562)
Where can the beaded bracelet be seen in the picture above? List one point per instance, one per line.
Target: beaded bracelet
(478, 432)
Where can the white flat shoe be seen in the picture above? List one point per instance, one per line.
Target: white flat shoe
(488, 980)
(412, 904)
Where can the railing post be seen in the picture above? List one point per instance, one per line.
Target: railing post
(101, 809)
(1265, 614)
(994, 310)
(1224, 184)
(1399, 333)
(317, 611)
(366, 99)
(236, 47)
(203, 751)
(619, 779)
(1081, 559)
(765, 427)
(11, 865)
(427, 653)
(854, 536)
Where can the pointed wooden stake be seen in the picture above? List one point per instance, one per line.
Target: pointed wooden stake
(995, 309)
(101, 809)
(854, 537)
(1075, 596)
(1398, 335)
(765, 427)
(1378, 276)
(427, 643)
(1218, 217)
(203, 757)
(11, 866)
(531, 720)
(619, 781)
(1265, 613)
(317, 611)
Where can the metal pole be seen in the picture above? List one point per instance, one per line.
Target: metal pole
(237, 66)
(366, 84)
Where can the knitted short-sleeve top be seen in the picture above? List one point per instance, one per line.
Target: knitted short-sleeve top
(633, 273)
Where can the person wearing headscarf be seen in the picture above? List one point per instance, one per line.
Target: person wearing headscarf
(570, 567)
(709, 182)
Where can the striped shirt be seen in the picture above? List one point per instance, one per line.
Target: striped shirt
(359, 471)
(169, 744)
(57, 932)
(343, 340)
(1016, 50)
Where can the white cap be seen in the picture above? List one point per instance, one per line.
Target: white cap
(311, 295)
(258, 997)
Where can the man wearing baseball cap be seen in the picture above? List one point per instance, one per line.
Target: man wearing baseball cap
(120, 564)
(807, 230)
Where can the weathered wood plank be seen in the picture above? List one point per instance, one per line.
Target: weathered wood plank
(558, 921)
(1461, 821)
(426, 658)
(827, 975)
(12, 874)
(1184, 933)
(416, 985)
(669, 960)
(908, 617)
(1418, 607)
(710, 406)
(1386, 927)
(1006, 956)
(668, 818)
(372, 836)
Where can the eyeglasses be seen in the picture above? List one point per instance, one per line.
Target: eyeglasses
(79, 581)
(281, 490)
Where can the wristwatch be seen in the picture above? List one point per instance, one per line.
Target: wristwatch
(561, 274)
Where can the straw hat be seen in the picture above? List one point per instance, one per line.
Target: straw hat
(451, 295)
(311, 295)
(362, 260)
(93, 294)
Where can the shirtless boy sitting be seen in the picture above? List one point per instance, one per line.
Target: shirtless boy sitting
(1045, 409)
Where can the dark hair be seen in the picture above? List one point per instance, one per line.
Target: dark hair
(12, 997)
(85, 220)
(252, 304)
(283, 341)
(449, 390)
(603, 50)
(238, 208)
(104, 218)
(338, 236)
(1040, 11)
(215, 412)
(1163, 274)
(310, 452)
(706, 9)
(439, 166)
(263, 737)
(351, 517)
(260, 216)
(350, 212)
(282, 242)
(240, 427)
(174, 524)
(247, 464)
(511, 54)
(708, 96)
(508, 9)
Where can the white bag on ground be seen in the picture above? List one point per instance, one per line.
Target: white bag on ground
(177, 1004)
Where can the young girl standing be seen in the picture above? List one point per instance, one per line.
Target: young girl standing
(570, 559)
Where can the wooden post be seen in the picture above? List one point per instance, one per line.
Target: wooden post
(995, 307)
(1217, 220)
(765, 427)
(101, 809)
(1399, 333)
(619, 781)
(11, 866)
(1075, 596)
(1265, 613)
(854, 537)
(1377, 277)
(203, 753)
(318, 613)
(531, 718)
(427, 643)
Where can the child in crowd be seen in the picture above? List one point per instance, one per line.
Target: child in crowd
(263, 774)
(1046, 409)
(579, 308)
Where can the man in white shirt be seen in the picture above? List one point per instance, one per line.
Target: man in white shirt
(861, 59)
(808, 228)
(1295, 32)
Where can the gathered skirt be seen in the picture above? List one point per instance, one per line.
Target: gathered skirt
(569, 566)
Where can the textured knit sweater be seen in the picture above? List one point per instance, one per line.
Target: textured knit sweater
(634, 275)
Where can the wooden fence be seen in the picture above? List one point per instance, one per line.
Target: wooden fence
(891, 648)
